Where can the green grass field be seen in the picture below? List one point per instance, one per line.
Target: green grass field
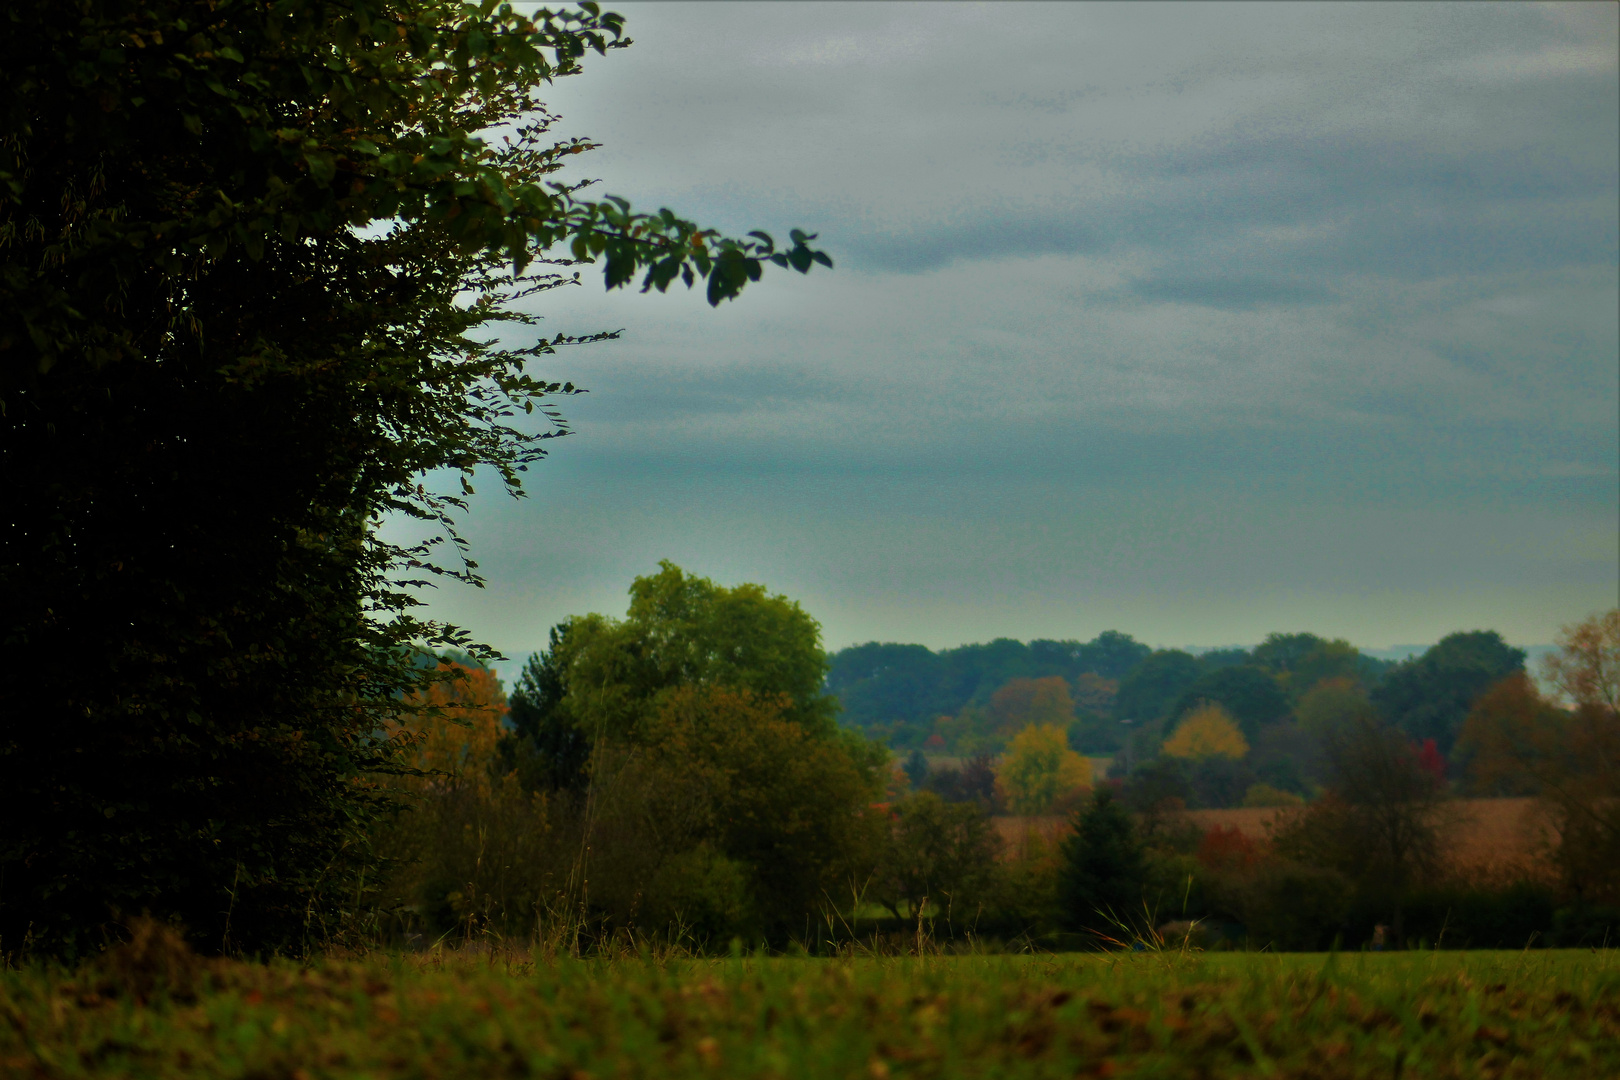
(1423, 1014)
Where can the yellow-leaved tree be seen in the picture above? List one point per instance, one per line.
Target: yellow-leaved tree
(1039, 769)
(1207, 731)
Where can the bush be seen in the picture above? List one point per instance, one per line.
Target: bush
(1288, 906)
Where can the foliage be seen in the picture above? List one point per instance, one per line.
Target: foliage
(728, 769)
(602, 677)
(1295, 907)
(974, 781)
(1021, 703)
(1300, 661)
(1332, 706)
(1429, 697)
(1152, 688)
(1103, 868)
(910, 685)
(1039, 768)
(1249, 696)
(1520, 742)
(1206, 731)
(1381, 823)
(1586, 667)
(451, 727)
(251, 261)
(937, 853)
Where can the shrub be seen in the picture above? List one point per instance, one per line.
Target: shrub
(1290, 906)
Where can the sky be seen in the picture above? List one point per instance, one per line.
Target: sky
(1196, 322)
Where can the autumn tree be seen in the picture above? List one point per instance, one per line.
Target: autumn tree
(936, 852)
(1569, 757)
(1039, 768)
(258, 269)
(1382, 822)
(1022, 702)
(1207, 731)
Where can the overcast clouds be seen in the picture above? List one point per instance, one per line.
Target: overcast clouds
(1191, 321)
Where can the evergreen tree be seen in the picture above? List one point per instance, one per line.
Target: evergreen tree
(1103, 869)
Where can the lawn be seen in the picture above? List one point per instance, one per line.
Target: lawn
(1420, 1014)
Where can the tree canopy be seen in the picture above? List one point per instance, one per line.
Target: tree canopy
(258, 264)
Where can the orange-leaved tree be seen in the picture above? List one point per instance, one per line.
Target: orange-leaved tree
(452, 726)
(1521, 743)
(1023, 702)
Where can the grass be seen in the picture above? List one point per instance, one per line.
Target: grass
(1151, 1014)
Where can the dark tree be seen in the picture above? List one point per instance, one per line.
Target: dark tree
(217, 376)
(1148, 693)
(1104, 869)
(1252, 697)
(1382, 821)
(1429, 697)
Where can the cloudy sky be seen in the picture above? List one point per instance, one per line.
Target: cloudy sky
(1197, 322)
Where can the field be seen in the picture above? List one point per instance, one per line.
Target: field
(1421, 1014)
(1489, 837)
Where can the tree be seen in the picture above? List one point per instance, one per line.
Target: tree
(451, 727)
(727, 768)
(938, 852)
(254, 254)
(1039, 769)
(603, 677)
(1381, 823)
(1147, 693)
(1023, 702)
(1207, 731)
(1103, 868)
(1520, 742)
(1249, 696)
(1429, 697)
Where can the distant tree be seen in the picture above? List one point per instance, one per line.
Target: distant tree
(1331, 705)
(1520, 742)
(1023, 702)
(1112, 655)
(450, 727)
(1157, 786)
(1039, 768)
(1095, 694)
(1249, 695)
(1206, 731)
(1103, 868)
(1586, 667)
(916, 768)
(1220, 782)
(1148, 692)
(974, 782)
(937, 852)
(546, 748)
(1429, 697)
(1382, 821)
(1215, 659)
(1299, 661)
(602, 677)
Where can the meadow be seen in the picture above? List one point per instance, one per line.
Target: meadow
(149, 1011)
